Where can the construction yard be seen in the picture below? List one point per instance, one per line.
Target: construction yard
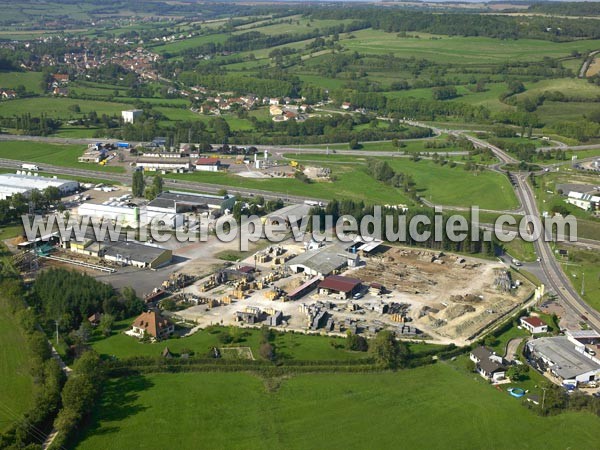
(420, 294)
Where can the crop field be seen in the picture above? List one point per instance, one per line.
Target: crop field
(55, 154)
(16, 383)
(227, 410)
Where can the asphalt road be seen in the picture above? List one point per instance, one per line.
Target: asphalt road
(555, 278)
(172, 184)
(553, 274)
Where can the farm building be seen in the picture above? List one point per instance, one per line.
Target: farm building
(339, 286)
(565, 358)
(488, 364)
(11, 183)
(323, 261)
(534, 325)
(151, 323)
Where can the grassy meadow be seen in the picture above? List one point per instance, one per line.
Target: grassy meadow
(238, 410)
(55, 154)
(16, 383)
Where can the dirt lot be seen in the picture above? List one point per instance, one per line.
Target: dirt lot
(449, 297)
(453, 297)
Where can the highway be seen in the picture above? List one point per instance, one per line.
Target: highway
(124, 178)
(555, 278)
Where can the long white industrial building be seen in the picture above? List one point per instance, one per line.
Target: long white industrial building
(11, 183)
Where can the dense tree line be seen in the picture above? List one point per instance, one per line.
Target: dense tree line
(465, 24)
(400, 221)
(28, 124)
(71, 297)
(27, 432)
(567, 8)
(79, 395)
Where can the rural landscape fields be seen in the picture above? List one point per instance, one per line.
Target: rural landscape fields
(328, 110)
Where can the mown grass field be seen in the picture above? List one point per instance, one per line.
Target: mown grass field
(345, 411)
(583, 269)
(58, 108)
(55, 154)
(31, 80)
(440, 184)
(465, 50)
(16, 383)
(288, 345)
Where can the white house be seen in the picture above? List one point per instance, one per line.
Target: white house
(534, 325)
(130, 115)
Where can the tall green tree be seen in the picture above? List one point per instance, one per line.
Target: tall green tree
(138, 184)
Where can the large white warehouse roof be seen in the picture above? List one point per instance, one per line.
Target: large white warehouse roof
(11, 183)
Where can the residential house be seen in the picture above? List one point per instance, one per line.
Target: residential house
(489, 365)
(8, 94)
(151, 323)
(534, 324)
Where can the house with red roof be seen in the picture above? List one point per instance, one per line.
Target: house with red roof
(152, 324)
(534, 324)
(208, 164)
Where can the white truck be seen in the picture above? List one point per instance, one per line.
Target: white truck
(30, 167)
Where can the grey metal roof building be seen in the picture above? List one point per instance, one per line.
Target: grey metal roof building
(321, 261)
(287, 213)
(168, 201)
(136, 254)
(563, 358)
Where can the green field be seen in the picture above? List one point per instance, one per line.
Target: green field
(55, 154)
(58, 108)
(440, 184)
(16, 383)
(31, 80)
(583, 269)
(430, 407)
(466, 50)
(288, 345)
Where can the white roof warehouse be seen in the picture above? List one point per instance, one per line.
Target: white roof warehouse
(11, 184)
